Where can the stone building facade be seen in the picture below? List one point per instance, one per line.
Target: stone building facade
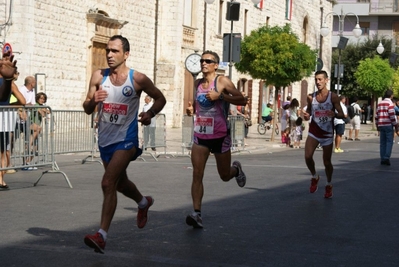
(62, 42)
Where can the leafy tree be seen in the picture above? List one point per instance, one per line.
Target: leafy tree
(350, 58)
(274, 54)
(395, 84)
(375, 76)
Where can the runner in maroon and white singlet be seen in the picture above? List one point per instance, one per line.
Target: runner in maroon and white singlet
(322, 107)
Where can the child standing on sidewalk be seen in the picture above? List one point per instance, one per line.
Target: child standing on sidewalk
(285, 137)
(297, 132)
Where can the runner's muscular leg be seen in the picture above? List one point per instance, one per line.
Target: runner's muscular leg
(310, 147)
(115, 178)
(199, 157)
(225, 170)
(327, 153)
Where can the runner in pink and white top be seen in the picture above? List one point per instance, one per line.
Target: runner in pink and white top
(213, 96)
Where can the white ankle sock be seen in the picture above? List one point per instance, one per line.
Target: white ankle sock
(143, 203)
(103, 233)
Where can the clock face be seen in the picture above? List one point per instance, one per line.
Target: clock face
(193, 63)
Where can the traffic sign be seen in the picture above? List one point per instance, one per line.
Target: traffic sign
(319, 64)
(7, 48)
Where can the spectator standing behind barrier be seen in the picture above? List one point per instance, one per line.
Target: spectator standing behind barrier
(36, 118)
(211, 134)
(321, 108)
(339, 126)
(355, 121)
(21, 126)
(149, 130)
(245, 112)
(116, 92)
(7, 74)
(386, 121)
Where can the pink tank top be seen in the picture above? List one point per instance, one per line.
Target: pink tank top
(210, 121)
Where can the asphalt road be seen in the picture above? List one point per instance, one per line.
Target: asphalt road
(272, 221)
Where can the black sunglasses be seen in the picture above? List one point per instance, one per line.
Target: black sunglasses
(207, 61)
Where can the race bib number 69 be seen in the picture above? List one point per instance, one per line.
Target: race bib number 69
(115, 113)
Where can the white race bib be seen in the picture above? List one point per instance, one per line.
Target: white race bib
(203, 125)
(115, 113)
(322, 115)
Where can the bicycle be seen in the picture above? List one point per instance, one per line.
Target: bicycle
(264, 126)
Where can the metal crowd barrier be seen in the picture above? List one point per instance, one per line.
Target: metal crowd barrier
(75, 132)
(237, 133)
(28, 143)
(153, 138)
(187, 134)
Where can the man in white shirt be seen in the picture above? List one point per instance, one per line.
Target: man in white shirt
(28, 90)
(21, 126)
(149, 130)
(355, 121)
(339, 125)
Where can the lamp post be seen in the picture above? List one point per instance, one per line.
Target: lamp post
(231, 35)
(324, 31)
(380, 48)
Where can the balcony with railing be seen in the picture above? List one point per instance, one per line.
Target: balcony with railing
(384, 7)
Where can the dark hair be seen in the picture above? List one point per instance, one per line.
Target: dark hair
(355, 99)
(321, 72)
(342, 97)
(125, 42)
(294, 103)
(298, 121)
(388, 93)
(289, 98)
(214, 54)
(38, 95)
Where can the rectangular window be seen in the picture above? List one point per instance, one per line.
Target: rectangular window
(365, 26)
(288, 9)
(187, 15)
(220, 18)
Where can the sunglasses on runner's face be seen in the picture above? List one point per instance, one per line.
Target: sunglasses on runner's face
(207, 61)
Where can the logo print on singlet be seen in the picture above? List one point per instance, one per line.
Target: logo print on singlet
(205, 103)
(127, 91)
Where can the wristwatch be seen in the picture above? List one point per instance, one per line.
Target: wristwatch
(221, 96)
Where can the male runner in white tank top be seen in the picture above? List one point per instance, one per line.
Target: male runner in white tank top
(116, 93)
(321, 108)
